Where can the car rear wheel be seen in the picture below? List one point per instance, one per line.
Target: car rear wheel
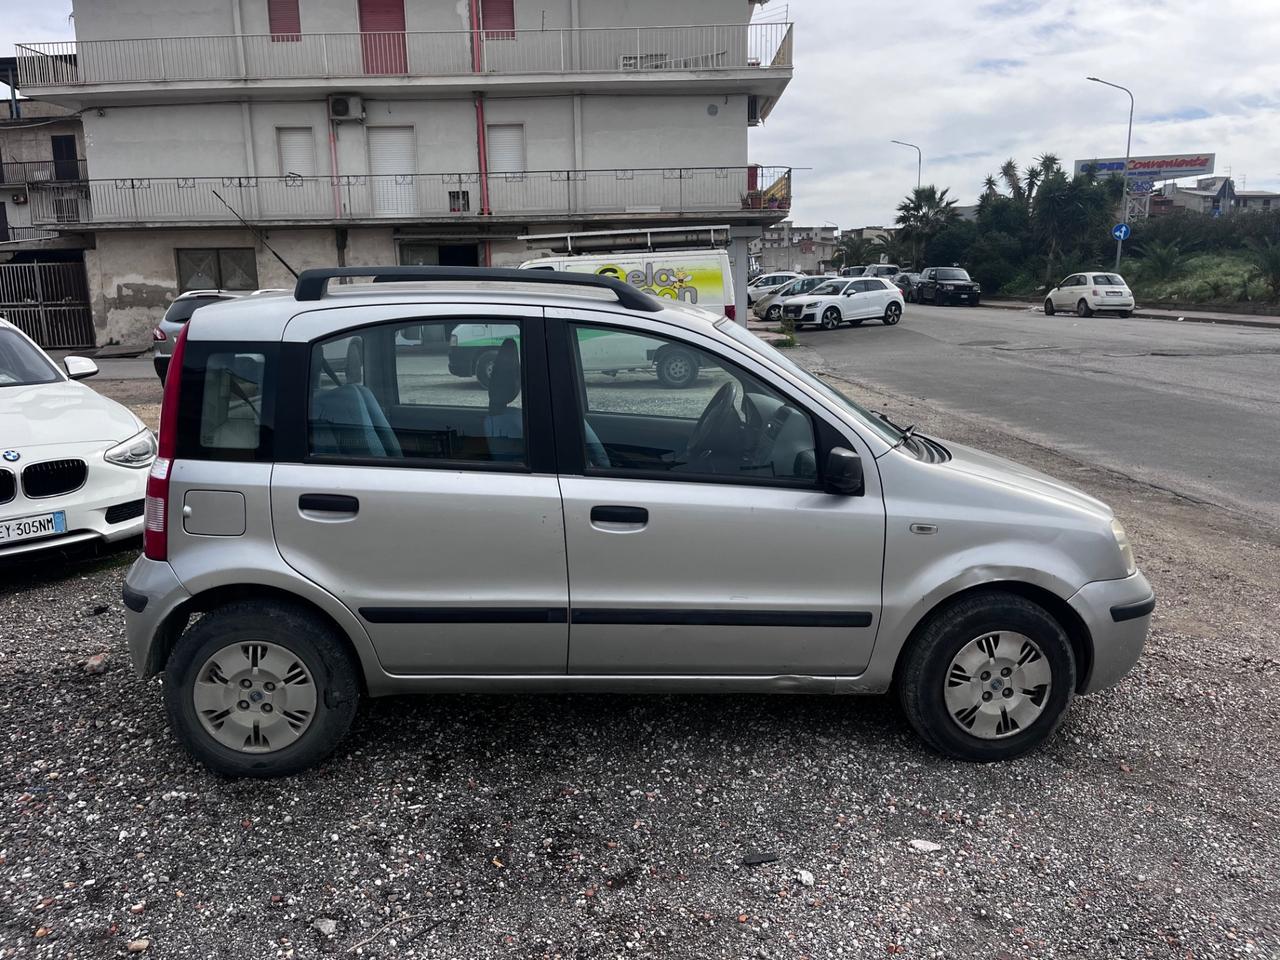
(892, 314)
(484, 367)
(1082, 309)
(260, 690)
(1048, 307)
(987, 678)
(830, 318)
(677, 368)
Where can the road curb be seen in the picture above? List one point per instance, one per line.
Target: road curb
(1267, 323)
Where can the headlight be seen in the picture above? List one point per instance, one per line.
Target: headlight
(138, 451)
(1126, 550)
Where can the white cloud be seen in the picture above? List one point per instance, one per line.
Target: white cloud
(976, 83)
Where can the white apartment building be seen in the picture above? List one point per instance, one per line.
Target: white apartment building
(367, 132)
(785, 246)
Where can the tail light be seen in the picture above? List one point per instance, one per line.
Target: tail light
(155, 527)
(1096, 293)
(731, 311)
(157, 334)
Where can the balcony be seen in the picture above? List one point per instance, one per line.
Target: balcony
(645, 57)
(35, 171)
(751, 194)
(9, 233)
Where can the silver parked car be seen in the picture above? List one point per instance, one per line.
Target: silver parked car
(319, 529)
(165, 333)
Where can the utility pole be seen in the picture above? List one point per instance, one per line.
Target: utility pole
(1128, 146)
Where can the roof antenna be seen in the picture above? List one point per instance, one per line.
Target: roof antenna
(254, 230)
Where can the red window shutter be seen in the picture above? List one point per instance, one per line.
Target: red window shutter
(498, 18)
(285, 21)
(383, 46)
(381, 16)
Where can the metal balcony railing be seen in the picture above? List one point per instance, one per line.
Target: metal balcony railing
(14, 234)
(34, 171)
(416, 196)
(330, 56)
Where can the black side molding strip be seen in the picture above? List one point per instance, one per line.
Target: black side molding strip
(465, 614)
(135, 601)
(725, 618)
(1132, 611)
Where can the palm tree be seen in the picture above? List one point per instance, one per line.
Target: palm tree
(851, 250)
(1265, 254)
(891, 248)
(1161, 261)
(990, 187)
(1012, 178)
(924, 215)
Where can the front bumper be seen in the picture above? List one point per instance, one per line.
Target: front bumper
(108, 506)
(152, 591)
(1117, 614)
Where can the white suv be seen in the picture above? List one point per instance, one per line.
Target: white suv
(334, 514)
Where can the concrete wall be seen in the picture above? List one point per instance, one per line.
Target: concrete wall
(20, 141)
(630, 132)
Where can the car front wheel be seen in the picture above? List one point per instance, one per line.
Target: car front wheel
(988, 678)
(260, 689)
(774, 313)
(1048, 307)
(830, 318)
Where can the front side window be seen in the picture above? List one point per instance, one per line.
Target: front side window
(831, 288)
(21, 363)
(420, 391)
(664, 408)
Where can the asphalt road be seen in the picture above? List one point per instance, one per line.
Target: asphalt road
(1191, 407)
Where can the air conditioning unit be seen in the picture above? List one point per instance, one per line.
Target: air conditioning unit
(345, 106)
(18, 198)
(753, 111)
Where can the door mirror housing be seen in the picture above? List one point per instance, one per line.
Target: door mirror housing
(843, 476)
(78, 368)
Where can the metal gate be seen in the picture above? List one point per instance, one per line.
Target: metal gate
(49, 302)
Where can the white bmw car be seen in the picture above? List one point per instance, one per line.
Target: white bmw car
(73, 464)
(846, 301)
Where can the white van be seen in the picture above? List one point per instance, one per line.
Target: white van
(700, 278)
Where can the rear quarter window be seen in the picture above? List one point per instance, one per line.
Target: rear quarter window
(227, 401)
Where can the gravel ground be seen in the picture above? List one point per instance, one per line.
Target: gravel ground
(594, 826)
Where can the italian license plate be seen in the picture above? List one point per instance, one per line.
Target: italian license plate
(28, 528)
(1113, 293)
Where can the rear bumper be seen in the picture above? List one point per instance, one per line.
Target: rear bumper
(1117, 614)
(151, 592)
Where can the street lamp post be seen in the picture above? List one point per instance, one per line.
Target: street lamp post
(919, 158)
(1128, 146)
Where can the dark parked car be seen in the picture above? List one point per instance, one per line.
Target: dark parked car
(906, 282)
(945, 285)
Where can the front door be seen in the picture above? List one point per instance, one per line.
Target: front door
(699, 539)
(427, 503)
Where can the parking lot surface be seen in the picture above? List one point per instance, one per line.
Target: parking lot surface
(608, 826)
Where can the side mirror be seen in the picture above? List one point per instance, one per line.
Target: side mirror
(843, 476)
(78, 368)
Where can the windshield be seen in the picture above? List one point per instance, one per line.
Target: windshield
(950, 273)
(180, 311)
(831, 286)
(21, 363)
(747, 338)
(1108, 279)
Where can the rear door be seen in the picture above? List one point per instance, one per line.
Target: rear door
(865, 301)
(697, 545)
(427, 503)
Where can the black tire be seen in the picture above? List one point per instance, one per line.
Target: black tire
(830, 318)
(677, 368)
(484, 367)
(892, 314)
(923, 669)
(1082, 309)
(974, 302)
(1048, 307)
(307, 637)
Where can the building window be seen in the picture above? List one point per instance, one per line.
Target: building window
(498, 19)
(506, 147)
(229, 268)
(296, 150)
(285, 22)
(459, 201)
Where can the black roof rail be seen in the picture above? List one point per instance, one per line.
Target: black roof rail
(312, 284)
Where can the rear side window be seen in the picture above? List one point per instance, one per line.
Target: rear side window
(1108, 280)
(227, 401)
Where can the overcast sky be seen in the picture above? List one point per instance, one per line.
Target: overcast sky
(974, 82)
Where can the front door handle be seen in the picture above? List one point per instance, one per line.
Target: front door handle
(631, 516)
(328, 503)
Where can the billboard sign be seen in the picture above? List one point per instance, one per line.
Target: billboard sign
(1167, 167)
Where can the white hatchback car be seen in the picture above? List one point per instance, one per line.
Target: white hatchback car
(1088, 293)
(846, 301)
(73, 466)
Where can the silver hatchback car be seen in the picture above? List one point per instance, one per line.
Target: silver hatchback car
(333, 515)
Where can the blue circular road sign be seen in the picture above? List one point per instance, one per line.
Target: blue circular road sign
(1121, 231)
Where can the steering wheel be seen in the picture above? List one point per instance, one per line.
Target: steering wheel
(720, 416)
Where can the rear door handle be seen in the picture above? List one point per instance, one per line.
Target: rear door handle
(328, 503)
(633, 516)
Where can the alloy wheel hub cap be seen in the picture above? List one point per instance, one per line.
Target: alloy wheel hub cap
(997, 685)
